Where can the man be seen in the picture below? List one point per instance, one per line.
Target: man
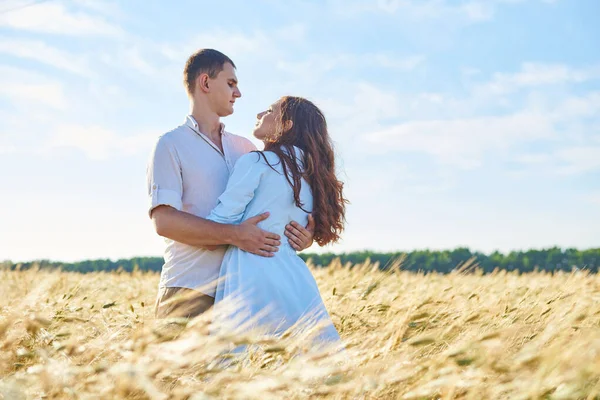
(187, 172)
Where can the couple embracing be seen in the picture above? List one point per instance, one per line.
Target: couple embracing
(223, 207)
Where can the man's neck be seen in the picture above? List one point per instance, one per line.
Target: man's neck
(208, 122)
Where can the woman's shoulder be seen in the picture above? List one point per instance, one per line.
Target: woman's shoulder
(273, 158)
(258, 161)
(265, 157)
(272, 155)
(250, 159)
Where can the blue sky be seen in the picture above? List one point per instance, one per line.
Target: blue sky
(457, 123)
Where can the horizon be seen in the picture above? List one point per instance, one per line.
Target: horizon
(308, 252)
(456, 123)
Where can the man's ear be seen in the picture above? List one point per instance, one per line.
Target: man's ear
(202, 82)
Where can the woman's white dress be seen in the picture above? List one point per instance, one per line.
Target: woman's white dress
(275, 292)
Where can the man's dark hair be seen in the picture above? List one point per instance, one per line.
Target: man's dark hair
(206, 61)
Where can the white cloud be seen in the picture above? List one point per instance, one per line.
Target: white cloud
(592, 198)
(565, 160)
(387, 61)
(411, 10)
(471, 11)
(532, 75)
(99, 143)
(582, 106)
(577, 148)
(419, 9)
(43, 53)
(294, 33)
(50, 94)
(318, 64)
(578, 160)
(133, 59)
(478, 11)
(55, 18)
(365, 108)
(234, 44)
(105, 7)
(25, 87)
(533, 158)
(5, 149)
(462, 142)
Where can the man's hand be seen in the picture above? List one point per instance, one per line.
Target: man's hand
(252, 239)
(300, 238)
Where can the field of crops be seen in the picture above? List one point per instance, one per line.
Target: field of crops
(408, 336)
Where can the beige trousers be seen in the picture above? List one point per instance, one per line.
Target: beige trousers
(181, 302)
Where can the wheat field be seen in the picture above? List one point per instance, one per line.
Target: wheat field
(407, 336)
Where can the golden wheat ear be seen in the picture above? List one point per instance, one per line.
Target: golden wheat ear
(405, 335)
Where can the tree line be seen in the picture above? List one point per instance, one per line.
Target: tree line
(444, 261)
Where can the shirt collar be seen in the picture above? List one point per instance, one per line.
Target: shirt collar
(191, 122)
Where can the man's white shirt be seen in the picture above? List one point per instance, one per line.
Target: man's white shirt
(188, 172)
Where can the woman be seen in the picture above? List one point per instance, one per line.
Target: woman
(292, 177)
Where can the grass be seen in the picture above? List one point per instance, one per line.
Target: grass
(408, 336)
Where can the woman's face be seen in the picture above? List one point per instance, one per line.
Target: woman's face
(266, 124)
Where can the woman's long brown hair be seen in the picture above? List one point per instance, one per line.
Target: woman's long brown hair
(309, 133)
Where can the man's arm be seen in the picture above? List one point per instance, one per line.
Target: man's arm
(199, 232)
(165, 191)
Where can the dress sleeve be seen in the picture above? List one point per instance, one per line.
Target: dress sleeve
(242, 184)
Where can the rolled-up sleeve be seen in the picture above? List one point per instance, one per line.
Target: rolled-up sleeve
(165, 183)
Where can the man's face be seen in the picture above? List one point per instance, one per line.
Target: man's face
(223, 91)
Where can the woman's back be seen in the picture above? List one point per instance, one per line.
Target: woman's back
(275, 195)
(257, 184)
